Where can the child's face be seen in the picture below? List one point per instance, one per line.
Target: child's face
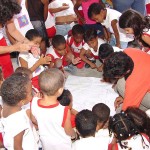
(71, 103)
(93, 43)
(37, 41)
(78, 38)
(61, 49)
(99, 17)
(129, 30)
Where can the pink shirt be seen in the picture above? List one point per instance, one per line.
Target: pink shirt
(85, 7)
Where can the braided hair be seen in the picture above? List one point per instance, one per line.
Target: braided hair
(123, 128)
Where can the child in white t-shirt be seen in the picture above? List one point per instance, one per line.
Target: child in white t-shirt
(27, 59)
(52, 118)
(90, 50)
(15, 125)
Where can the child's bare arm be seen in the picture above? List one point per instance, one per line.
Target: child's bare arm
(43, 60)
(116, 32)
(74, 112)
(84, 58)
(68, 127)
(18, 141)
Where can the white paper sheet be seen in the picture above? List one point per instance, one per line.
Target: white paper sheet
(88, 91)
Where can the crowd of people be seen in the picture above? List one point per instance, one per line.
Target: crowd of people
(36, 112)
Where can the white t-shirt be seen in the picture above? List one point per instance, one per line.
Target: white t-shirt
(31, 60)
(50, 21)
(50, 121)
(75, 47)
(86, 47)
(22, 20)
(13, 125)
(104, 133)
(59, 3)
(90, 143)
(136, 143)
(114, 15)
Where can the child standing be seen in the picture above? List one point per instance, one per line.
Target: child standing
(52, 118)
(109, 19)
(134, 23)
(76, 41)
(89, 52)
(127, 134)
(29, 61)
(61, 53)
(16, 127)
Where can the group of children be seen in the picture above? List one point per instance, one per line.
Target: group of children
(36, 108)
(26, 120)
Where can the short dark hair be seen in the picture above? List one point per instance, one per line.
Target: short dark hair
(105, 50)
(117, 65)
(102, 111)
(95, 9)
(90, 34)
(23, 70)
(14, 89)
(8, 9)
(32, 33)
(65, 98)
(77, 29)
(86, 123)
(133, 19)
(51, 80)
(58, 40)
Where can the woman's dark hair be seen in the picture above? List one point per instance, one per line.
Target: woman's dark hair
(123, 127)
(133, 19)
(117, 66)
(14, 89)
(140, 119)
(8, 8)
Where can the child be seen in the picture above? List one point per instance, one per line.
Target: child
(140, 119)
(102, 112)
(60, 53)
(109, 19)
(29, 61)
(53, 119)
(105, 50)
(76, 42)
(16, 127)
(89, 52)
(86, 123)
(66, 100)
(126, 133)
(134, 23)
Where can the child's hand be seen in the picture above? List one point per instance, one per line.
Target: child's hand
(118, 101)
(92, 65)
(76, 60)
(35, 51)
(45, 60)
(100, 68)
(118, 45)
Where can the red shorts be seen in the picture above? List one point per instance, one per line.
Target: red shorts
(51, 32)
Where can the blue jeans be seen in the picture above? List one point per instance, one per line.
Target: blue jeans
(122, 5)
(63, 29)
